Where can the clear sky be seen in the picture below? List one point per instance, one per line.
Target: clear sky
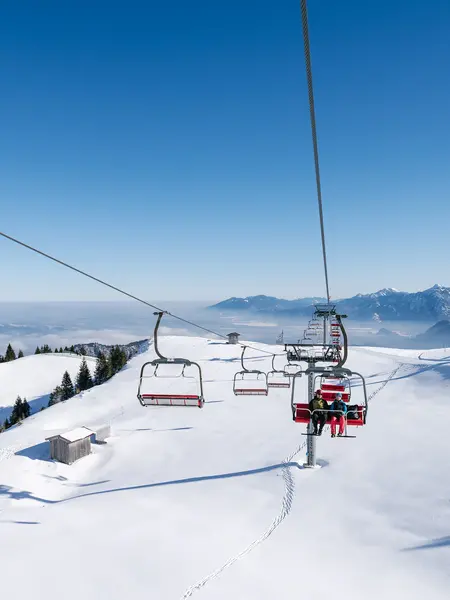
(166, 147)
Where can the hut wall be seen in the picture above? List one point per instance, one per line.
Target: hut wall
(78, 449)
(59, 450)
(102, 432)
(69, 452)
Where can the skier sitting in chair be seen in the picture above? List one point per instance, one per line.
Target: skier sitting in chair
(318, 407)
(339, 409)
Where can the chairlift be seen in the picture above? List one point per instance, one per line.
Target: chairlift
(188, 372)
(292, 369)
(277, 379)
(333, 377)
(250, 382)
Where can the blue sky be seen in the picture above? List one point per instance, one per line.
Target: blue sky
(166, 147)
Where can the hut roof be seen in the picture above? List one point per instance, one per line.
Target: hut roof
(80, 433)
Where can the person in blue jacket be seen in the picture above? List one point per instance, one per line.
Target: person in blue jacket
(338, 414)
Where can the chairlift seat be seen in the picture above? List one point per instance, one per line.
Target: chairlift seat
(301, 414)
(250, 391)
(172, 400)
(278, 384)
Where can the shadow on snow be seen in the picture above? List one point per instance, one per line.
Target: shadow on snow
(6, 490)
(39, 451)
(436, 543)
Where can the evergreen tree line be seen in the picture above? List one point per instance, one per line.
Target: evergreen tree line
(45, 349)
(10, 354)
(106, 367)
(21, 410)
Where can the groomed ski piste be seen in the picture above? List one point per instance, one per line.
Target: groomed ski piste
(214, 503)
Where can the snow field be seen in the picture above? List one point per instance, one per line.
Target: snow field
(183, 502)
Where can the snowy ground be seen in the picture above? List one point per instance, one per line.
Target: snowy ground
(186, 502)
(34, 377)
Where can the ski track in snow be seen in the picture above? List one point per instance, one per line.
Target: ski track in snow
(7, 452)
(285, 510)
(286, 504)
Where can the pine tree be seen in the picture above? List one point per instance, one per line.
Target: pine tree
(37, 351)
(84, 378)
(56, 350)
(45, 349)
(61, 350)
(102, 369)
(55, 396)
(26, 409)
(20, 355)
(72, 349)
(67, 390)
(6, 424)
(117, 359)
(17, 411)
(10, 354)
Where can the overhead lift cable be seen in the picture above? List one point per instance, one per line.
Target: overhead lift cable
(312, 113)
(113, 287)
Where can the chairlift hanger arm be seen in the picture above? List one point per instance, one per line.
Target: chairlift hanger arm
(344, 334)
(242, 359)
(274, 369)
(163, 359)
(155, 334)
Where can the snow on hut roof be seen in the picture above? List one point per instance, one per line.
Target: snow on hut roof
(74, 435)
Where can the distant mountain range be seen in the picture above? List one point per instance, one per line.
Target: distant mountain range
(436, 336)
(388, 304)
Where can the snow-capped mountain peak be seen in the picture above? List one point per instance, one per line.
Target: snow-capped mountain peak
(386, 304)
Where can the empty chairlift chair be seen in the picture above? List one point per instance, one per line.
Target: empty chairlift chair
(189, 387)
(249, 382)
(292, 369)
(277, 379)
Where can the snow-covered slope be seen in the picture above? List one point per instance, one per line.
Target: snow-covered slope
(183, 502)
(34, 377)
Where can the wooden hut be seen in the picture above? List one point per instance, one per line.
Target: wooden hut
(70, 446)
(233, 338)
